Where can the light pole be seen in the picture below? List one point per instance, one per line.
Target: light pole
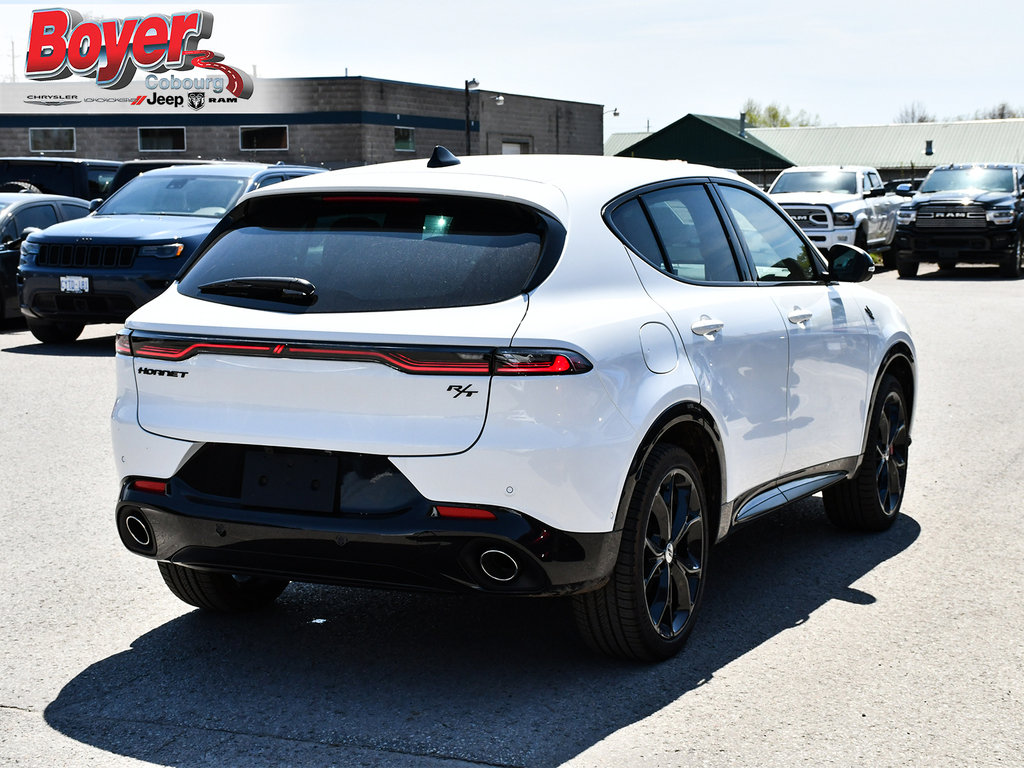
(469, 84)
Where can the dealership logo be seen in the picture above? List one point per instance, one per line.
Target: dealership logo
(62, 44)
(52, 101)
(196, 100)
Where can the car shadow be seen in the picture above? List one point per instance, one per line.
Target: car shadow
(100, 346)
(494, 681)
(963, 272)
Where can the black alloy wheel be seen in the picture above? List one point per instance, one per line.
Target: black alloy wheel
(647, 609)
(871, 499)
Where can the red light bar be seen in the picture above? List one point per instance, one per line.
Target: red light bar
(369, 199)
(465, 513)
(538, 362)
(150, 486)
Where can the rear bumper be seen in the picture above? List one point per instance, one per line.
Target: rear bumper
(412, 548)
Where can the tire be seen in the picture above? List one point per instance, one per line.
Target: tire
(1010, 266)
(860, 239)
(19, 186)
(871, 499)
(647, 609)
(906, 267)
(220, 592)
(947, 266)
(54, 332)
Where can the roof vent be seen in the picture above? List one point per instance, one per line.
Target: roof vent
(442, 158)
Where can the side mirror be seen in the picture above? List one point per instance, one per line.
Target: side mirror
(849, 264)
(875, 192)
(95, 203)
(904, 190)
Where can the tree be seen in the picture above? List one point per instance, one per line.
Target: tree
(1000, 111)
(914, 113)
(775, 116)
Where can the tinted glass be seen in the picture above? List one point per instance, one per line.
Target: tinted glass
(40, 216)
(376, 253)
(954, 179)
(691, 234)
(632, 224)
(73, 211)
(778, 252)
(178, 195)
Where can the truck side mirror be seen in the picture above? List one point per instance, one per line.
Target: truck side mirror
(95, 203)
(904, 190)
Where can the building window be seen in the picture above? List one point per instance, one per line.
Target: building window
(405, 140)
(515, 148)
(161, 139)
(51, 139)
(263, 137)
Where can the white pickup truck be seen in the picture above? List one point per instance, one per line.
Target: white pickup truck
(838, 204)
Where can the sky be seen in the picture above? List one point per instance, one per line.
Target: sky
(654, 61)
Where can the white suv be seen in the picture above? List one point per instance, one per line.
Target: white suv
(520, 375)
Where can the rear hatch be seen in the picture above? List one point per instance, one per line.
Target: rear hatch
(363, 323)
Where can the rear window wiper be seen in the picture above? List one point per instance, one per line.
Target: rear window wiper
(290, 290)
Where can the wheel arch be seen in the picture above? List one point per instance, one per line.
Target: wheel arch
(689, 426)
(899, 362)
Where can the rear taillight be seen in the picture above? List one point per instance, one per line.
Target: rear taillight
(443, 361)
(538, 362)
(123, 343)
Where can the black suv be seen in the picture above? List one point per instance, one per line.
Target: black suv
(77, 177)
(969, 213)
(102, 268)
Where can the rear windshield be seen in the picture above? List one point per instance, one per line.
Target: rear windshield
(372, 253)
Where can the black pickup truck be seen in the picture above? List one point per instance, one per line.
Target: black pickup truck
(969, 213)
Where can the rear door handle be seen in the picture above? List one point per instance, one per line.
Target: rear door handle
(707, 327)
(800, 316)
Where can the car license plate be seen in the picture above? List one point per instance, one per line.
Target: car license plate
(74, 284)
(294, 481)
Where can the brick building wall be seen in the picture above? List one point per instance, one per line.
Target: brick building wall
(336, 121)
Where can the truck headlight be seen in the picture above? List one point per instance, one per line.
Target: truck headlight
(1000, 216)
(28, 254)
(906, 216)
(842, 219)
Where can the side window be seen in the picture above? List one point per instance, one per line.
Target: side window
(73, 211)
(40, 216)
(267, 181)
(778, 252)
(691, 234)
(631, 222)
(873, 180)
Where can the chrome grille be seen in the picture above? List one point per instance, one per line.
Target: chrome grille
(86, 256)
(959, 216)
(810, 218)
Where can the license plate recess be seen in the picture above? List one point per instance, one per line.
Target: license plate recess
(303, 482)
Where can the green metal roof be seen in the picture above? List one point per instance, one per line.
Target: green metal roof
(901, 145)
(709, 140)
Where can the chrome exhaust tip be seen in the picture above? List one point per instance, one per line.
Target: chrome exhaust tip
(499, 566)
(137, 528)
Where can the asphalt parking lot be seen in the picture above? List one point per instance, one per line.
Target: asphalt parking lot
(816, 647)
